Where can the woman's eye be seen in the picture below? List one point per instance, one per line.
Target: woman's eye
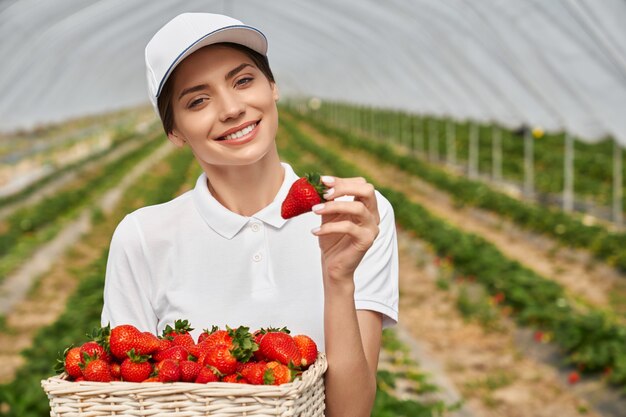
(196, 102)
(244, 81)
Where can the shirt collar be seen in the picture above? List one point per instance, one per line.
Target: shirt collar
(228, 223)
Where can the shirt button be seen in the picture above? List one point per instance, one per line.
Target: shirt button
(257, 257)
(255, 227)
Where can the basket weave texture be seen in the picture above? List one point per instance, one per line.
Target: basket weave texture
(302, 397)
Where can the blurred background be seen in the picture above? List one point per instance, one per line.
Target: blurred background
(495, 128)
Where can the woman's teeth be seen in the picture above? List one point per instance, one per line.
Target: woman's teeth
(240, 133)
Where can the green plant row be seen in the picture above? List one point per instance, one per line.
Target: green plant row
(29, 220)
(590, 339)
(24, 397)
(427, 134)
(121, 135)
(567, 229)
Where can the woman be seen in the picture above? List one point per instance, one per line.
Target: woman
(221, 253)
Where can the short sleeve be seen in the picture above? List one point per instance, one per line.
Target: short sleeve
(127, 281)
(376, 277)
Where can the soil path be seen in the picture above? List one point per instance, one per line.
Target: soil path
(15, 286)
(494, 377)
(52, 187)
(37, 293)
(587, 280)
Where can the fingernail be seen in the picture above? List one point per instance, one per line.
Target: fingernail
(315, 230)
(329, 192)
(317, 207)
(328, 180)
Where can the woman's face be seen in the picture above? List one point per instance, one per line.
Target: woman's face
(224, 107)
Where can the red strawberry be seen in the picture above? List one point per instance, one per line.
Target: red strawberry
(152, 379)
(180, 327)
(209, 342)
(189, 370)
(183, 339)
(308, 349)
(151, 342)
(253, 372)
(97, 370)
(206, 332)
(164, 344)
(258, 335)
(277, 373)
(221, 358)
(135, 368)
(226, 357)
(177, 353)
(94, 350)
(116, 370)
(126, 337)
(573, 377)
(73, 359)
(168, 371)
(218, 337)
(499, 297)
(303, 195)
(207, 374)
(235, 378)
(281, 347)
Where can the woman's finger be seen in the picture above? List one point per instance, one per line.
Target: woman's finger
(356, 209)
(358, 187)
(363, 236)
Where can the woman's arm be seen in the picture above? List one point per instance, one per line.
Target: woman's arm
(352, 348)
(353, 337)
(127, 283)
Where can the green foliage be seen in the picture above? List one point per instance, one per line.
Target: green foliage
(35, 220)
(121, 136)
(477, 307)
(565, 228)
(427, 135)
(24, 396)
(589, 338)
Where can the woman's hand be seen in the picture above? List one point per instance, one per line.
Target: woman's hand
(348, 228)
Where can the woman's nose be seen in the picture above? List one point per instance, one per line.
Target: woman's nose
(231, 106)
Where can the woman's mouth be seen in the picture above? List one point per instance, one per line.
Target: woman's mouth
(239, 134)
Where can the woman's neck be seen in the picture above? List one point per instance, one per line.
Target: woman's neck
(246, 189)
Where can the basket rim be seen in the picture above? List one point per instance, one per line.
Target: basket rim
(308, 377)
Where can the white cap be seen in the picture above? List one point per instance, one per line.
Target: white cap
(185, 34)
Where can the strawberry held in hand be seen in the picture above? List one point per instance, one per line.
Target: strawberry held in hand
(303, 195)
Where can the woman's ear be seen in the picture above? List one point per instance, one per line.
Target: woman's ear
(176, 138)
(275, 92)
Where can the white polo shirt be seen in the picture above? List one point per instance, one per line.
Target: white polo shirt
(191, 258)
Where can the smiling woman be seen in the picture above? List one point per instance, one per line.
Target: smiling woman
(222, 253)
(220, 102)
(165, 98)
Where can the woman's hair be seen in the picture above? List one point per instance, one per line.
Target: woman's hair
(164, 102)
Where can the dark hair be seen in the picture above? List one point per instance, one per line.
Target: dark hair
(164, 101)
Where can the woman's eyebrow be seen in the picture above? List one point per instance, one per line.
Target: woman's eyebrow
(192, 89)
(228, 76)
(236, 70)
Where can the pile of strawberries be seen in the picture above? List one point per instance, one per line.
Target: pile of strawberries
(264, 357)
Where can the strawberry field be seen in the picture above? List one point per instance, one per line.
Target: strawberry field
(505, 305)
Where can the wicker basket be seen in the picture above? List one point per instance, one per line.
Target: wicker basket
(302, 397)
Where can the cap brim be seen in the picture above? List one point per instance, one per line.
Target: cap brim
(240, 34)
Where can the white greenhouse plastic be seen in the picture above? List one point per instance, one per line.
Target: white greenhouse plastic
(559, 64)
